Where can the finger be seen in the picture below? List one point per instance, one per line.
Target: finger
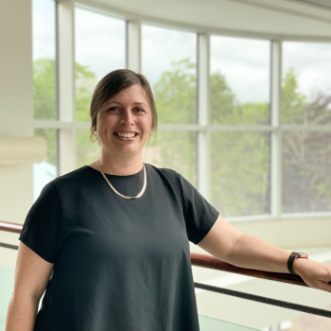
(324, 286)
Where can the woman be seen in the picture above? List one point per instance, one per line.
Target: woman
(116, 232)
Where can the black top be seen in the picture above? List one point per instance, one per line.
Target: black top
(121, 265)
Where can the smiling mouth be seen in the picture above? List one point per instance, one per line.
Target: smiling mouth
(126, 135)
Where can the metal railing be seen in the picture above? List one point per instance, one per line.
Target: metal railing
(210, 262)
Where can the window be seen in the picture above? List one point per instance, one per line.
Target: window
(239, 80)
(99, 49)
(169, 64)
(44, 83)
(306, 101)
(239, 95)
(240, 173)
(44, 59)
(46, 170)
(306, 85)
(238, 136)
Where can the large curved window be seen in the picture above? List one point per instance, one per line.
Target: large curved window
(246, 160)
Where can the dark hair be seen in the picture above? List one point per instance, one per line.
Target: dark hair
(112, 84)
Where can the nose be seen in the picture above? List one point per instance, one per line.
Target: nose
(127, 118)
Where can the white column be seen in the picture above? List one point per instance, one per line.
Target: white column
(66, 84)
(16, 107)
(133, 45)
(276, 135)
(203, 117)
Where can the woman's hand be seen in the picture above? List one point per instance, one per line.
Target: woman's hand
(313, 273)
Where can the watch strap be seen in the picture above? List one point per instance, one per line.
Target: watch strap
(291, 259)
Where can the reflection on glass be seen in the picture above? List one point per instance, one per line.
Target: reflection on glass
(306, 83)
(169, 64)
(306, 172)
(239, 80)
(174, 150)
(99, 49)
(87, 152)
(240, 173)
(46, 170)
(44, 55)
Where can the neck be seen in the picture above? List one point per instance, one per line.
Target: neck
(120, 166)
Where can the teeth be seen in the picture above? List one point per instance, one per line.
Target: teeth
(126, 135)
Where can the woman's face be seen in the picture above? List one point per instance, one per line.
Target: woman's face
(124, 122)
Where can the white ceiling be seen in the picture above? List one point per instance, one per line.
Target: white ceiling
(265, 17)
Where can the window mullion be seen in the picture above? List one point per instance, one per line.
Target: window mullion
(66, 85)
(203, 116)
(133, 45)
(275, 148)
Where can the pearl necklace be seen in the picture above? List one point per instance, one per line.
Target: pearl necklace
(121, 195)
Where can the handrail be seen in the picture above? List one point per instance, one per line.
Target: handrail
(209, 261)
(201, 260)
(206, 261)
(11, 227)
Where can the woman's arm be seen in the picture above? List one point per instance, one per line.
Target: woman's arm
(31, 277)
(229, 244)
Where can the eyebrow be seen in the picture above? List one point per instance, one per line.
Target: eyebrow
(135, 103)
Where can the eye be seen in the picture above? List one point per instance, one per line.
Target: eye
(112, 108)
(140, 110)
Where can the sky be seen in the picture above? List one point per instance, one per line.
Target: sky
(100, 44)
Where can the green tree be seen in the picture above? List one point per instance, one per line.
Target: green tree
(239, 160)
(306, 155)
(45, 107)
(86, 80)
(292, 100)
(175, 94)
(175, 99)
(44, 93)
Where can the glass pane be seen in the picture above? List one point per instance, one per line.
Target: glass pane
(100, 49)
(306, 83)
(87, 152)
(306, 172)
(239, 80)
(45, 171)
(240, 173)
(44, 58)
(175, 150)
(213, 324)
(169, 64)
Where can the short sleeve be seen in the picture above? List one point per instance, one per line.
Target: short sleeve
(42, 227)
(199, 214)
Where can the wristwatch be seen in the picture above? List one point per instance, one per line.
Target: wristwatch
(292, 258)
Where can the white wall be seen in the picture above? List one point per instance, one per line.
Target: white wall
(16, 105)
